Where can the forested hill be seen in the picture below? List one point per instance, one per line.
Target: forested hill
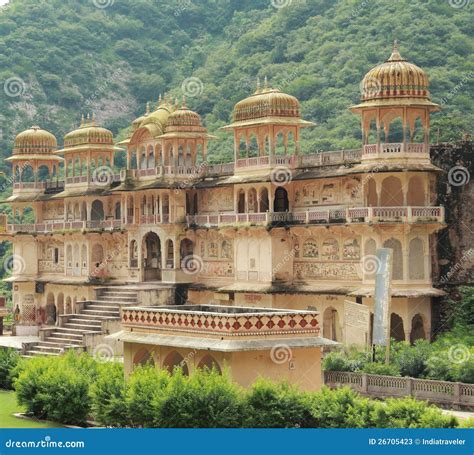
(61, 58)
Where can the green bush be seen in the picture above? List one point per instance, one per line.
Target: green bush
(57, 388)
(410, 413)
(108, 394)
(467, 423)
(381, 368)
(204, 400)
(8, 361)
(144, 387)
(270, 405)
(412, 360)
(341, 408)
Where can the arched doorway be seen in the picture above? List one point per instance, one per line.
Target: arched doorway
(331, 324)
(281, 203)
(264, 202)
(397, 331)
(417, 329)
(396, 246)
(186, 252)
(50, 316)
(152, 257)
(97, 213)
(98, 259)
(241, 202)
(208, 362)
(175, 359)
(392, 193)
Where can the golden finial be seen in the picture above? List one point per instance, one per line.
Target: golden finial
(93, 118)
(160, 99)
(147, 112)
(395, 53)
(82, 120)
(265, 83)
(184, 102)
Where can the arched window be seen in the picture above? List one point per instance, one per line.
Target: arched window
(143, 357)
(43, 173)
(392, 193)
(175, 360)
(372, 193)
(118, 210)
(369, 263)
(133, 254)
(331, 328)
(169, 254)
(416, 192)
(97, 254)
(50, 310)
(209, 363)
(264, 201)
(97, 213)
(396, 327)
(416, 260)
(281, 203)
(241, 202)
(253, 146)
(252, 201)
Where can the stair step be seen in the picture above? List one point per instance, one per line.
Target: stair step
(98, 306)
(89, 321)
(72, 331)
(87, 327)
(94, 317)
(67, 335)
(34, 352)
(65, 341)
(101, 312)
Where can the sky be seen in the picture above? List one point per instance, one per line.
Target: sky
(3, 2)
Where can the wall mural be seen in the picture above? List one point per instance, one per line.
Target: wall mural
(326, 271)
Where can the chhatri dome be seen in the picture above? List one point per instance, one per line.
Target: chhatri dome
(88, 134)
(395, 82)
(266, 102)
(34, 141)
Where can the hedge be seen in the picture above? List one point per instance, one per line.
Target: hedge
(72, 389)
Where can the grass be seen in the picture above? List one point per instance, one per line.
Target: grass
(9, 406)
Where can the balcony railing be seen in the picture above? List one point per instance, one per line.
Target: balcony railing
(394, 149)
(334, 215)
(64, 226)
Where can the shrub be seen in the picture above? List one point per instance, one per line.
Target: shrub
(336, 361)
(341, 408)
(57, 388)
(381, 368)
(8, 361)
(204, 400)
(144, 387)
(410, 413)
(108, 396)
(467, 423)
(270, 405)
(412, 360)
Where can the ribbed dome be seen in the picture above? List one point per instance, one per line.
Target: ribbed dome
(89, 134)
(184, 117)
(268, 102)
(34, 141)
(395, 78)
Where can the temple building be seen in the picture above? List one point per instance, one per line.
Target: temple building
(280, 228)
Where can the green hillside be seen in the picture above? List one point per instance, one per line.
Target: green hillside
(61, 58)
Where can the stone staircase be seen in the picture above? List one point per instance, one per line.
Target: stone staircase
(89, 320)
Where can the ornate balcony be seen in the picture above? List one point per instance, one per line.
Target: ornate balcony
(395, 150)
(334, 215)
(58, 226)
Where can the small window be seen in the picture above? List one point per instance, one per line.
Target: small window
(56, 256)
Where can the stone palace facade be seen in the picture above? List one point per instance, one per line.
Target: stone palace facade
(277, 228)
